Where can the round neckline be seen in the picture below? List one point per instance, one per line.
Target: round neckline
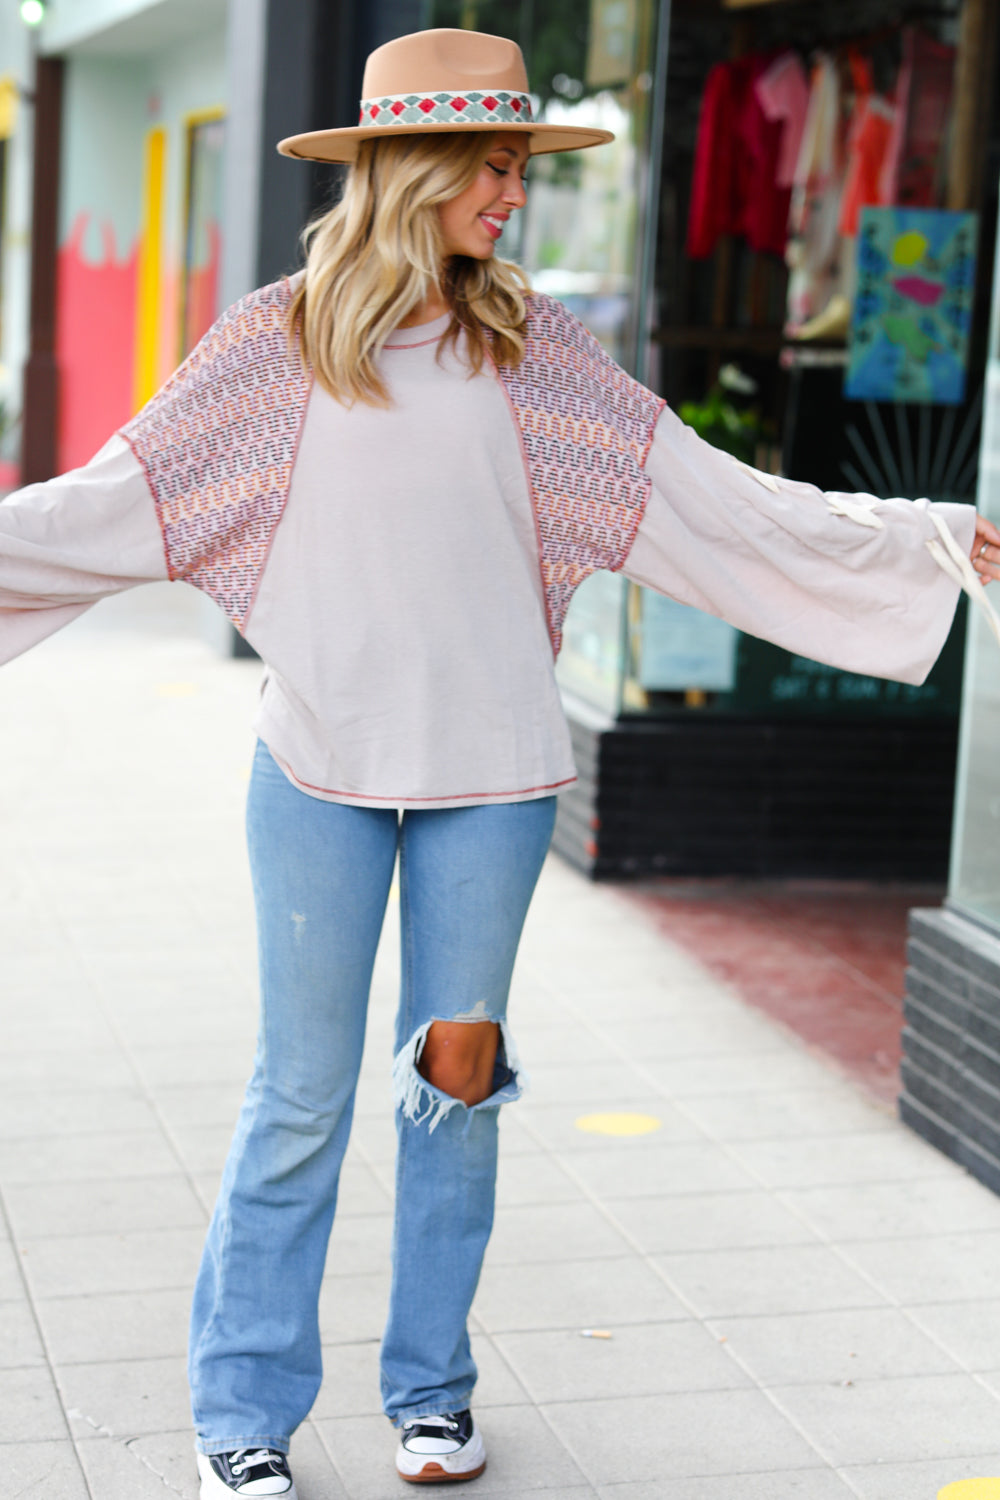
(420, 333)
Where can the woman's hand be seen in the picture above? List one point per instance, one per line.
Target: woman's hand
(986, 550)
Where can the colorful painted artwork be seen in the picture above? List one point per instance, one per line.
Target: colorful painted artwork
(909, 336)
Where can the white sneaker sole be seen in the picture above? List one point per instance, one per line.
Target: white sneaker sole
(440, 1468)
(212, 1487)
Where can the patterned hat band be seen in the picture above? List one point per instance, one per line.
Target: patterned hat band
(501, 108)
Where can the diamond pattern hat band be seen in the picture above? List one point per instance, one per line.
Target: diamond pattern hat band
(447, 80)
(501, 108)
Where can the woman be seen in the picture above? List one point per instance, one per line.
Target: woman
(391, 473)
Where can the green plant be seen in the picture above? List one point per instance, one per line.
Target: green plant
(734, 428)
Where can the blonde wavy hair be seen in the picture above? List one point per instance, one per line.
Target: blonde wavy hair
(378, 253)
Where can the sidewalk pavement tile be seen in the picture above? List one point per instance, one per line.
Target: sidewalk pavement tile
(939, 1268)
(905, 1418)
(603, 1008)
(351, 1380)
(632, 1169)
(124, 1325)
(51, 1469)
(824, 1348)
(30, 1410)
(554, 1043)
(573, 1294)
(775, 1279)
(354, 1307)
(113, 1205)
(534, 1179)
(86, 1158)
(696, 1034)
(788, 1114)
(360, 1192)
(126, 1397)
(789, 1066)
(894, 1210)
(206, 1185)
(872, 1156)
(359, 1243)
(11, 1282)
(639, 1360)
(705, 1432)
(199, 1103)
(800, 1484)
(142, 1260)
(116, 1467)
(920, 1480)
(553, 1125)
(708, 1221)
(524, 1455)
(970, 1331)
(20, 1344)
(203, 1148)
(43, 1031)
(149, 1466)
(97, 1067)
(552, 1231)
(230, 1061)
(40, 1112)
(582, 1082)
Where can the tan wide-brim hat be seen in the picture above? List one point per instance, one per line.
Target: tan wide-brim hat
(443, 80)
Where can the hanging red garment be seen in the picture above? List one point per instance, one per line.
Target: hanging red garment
(913, 176)
(734, 185)
(764, 220)
(714, 210)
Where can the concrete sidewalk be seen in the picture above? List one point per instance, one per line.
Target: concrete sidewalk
(803, 1298)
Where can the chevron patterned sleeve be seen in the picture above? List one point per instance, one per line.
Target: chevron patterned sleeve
(845, 579)
(217, 446)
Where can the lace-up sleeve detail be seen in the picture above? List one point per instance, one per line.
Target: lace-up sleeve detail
(860, 583)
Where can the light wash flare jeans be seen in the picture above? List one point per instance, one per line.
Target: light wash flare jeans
(321, 875)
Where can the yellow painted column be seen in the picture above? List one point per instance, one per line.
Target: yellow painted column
(150, 266)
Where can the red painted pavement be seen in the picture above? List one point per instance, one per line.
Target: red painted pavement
(826, 960)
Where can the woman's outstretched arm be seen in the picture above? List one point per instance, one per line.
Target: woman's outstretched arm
(73, 540)
(863, 584)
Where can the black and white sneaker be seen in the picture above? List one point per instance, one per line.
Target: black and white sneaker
(433, 1450)
(245, 1472)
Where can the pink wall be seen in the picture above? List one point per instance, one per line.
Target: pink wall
(95, 344)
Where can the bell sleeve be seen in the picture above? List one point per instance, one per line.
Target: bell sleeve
(862, 584)
(70, 541)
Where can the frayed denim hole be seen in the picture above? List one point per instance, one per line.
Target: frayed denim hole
(421, 1102)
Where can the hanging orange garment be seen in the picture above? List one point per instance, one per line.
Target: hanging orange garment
(869, 145)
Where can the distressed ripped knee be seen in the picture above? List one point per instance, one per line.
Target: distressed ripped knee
(458, 1058)
(464, 1062)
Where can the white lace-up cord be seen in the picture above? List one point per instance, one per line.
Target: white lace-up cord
(854, 510)
(952, 560)
(254, 1457)
(440, 1421)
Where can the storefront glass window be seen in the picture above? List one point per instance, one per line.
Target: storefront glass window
(975, 869)
(202, 233)
(589, 63)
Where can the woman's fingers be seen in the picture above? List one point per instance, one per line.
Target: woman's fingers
(986, 550)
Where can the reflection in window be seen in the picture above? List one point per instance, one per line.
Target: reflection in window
(202, 235)
(975, 865)
(589, 64)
